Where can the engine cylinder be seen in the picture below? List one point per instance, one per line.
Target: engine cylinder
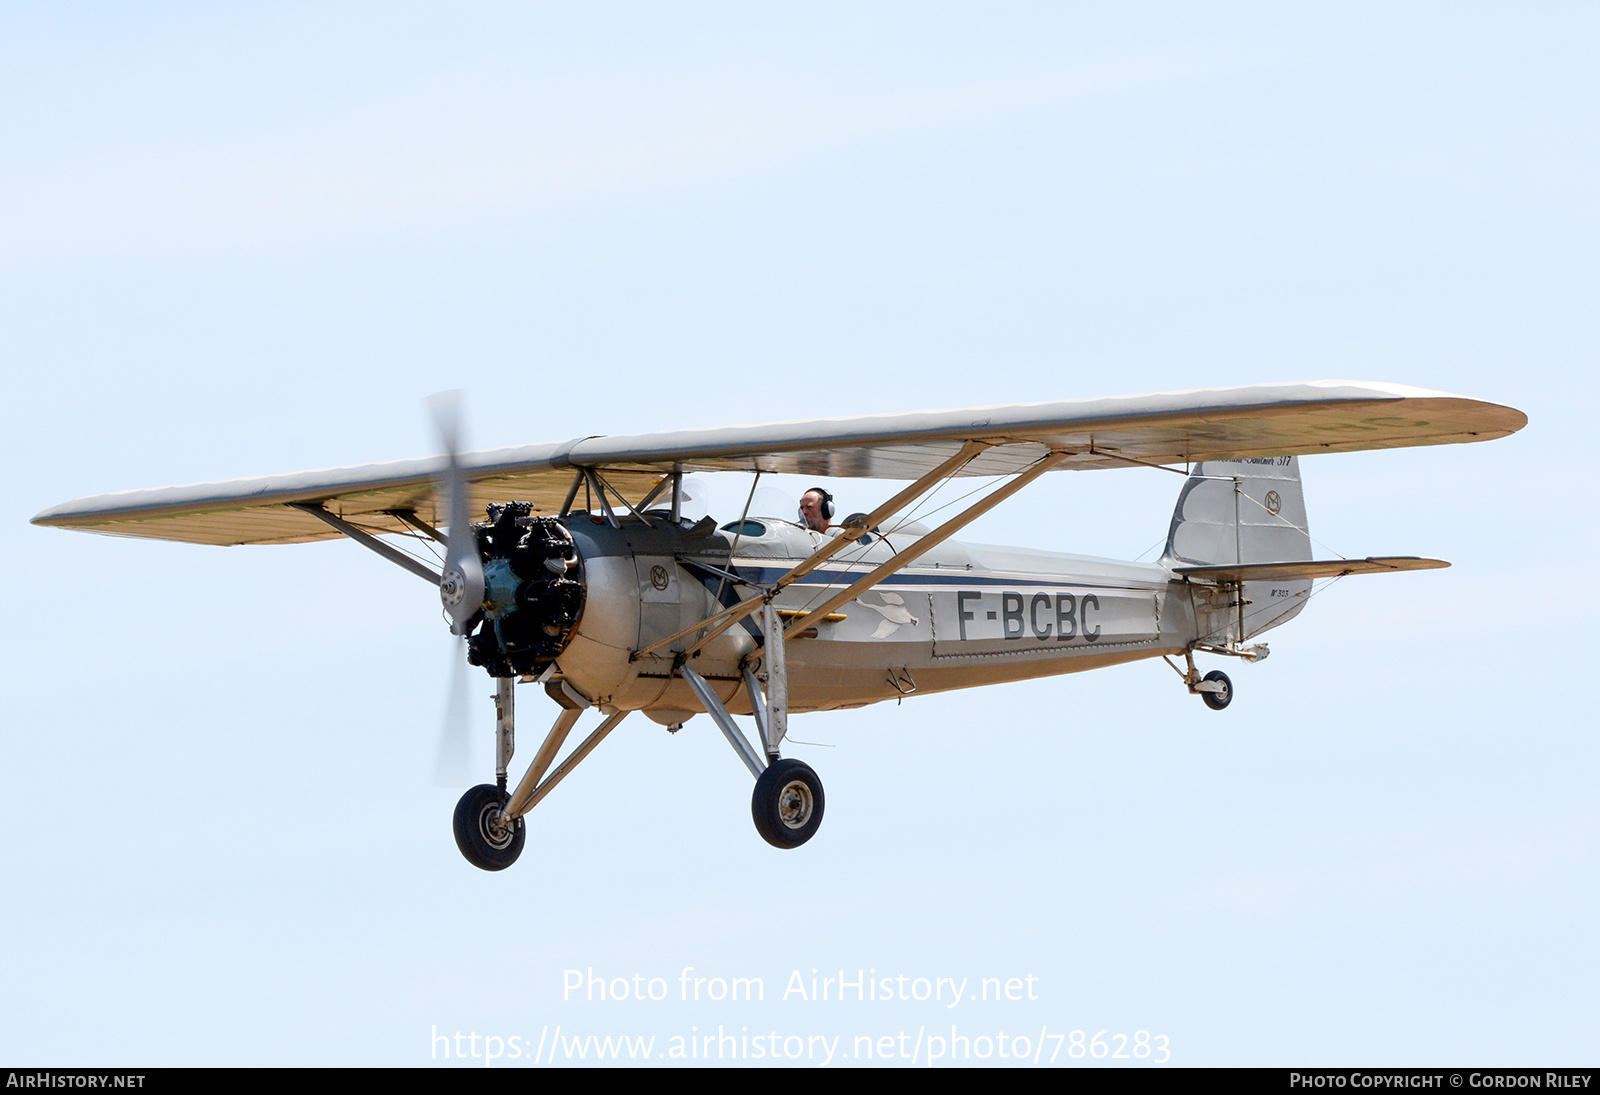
(533, 592)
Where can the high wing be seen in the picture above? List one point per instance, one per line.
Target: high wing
(1122, 431)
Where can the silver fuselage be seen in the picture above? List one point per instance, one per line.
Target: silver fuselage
(961, 615)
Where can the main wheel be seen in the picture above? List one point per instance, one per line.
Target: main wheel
(787, 804)
(1218, 700)
(486, 841)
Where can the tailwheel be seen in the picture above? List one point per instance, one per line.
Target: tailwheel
(787, 803)
(1219, 697)
(482, 834)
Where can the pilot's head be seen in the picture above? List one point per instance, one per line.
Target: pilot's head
(816, 509)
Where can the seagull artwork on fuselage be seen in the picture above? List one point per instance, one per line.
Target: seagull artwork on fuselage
(572, 566)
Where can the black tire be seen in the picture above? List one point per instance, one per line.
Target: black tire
(487, 845)
(787, 804)
(1218, 700)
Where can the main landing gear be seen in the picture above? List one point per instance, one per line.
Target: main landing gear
(787, 802)
(786, 805)
(488, 821)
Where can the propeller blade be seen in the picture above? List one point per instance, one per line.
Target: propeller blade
(461, 587)
(453, 767)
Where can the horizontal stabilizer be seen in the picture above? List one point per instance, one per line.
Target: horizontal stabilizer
(1319, 568)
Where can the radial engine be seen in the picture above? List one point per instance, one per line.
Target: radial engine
(533, 592)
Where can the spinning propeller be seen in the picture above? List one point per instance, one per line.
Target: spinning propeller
(461, 586)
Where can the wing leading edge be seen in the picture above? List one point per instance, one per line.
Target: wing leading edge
(1165, 428)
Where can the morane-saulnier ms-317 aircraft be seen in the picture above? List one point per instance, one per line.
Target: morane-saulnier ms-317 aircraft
(588, 579)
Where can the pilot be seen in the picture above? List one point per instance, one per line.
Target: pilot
(816, 512)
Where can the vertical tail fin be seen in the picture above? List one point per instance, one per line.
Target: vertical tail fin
(1245, 511)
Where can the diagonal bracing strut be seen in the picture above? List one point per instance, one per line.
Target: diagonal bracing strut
(771, 711)
(535, 785)
(367, 540)
(924, 544)
(721, 621)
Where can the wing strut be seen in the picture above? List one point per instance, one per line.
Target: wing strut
(593, 478)
(637, 511)
(925, 544)
(367, 540)
(409, 516)
(771, 712)
(725, 619)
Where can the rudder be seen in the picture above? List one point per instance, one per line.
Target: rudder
(1245, 511)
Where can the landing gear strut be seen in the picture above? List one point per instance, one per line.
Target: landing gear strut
(485, 834)
(1214, 688)
(488, 821)
(787, 802)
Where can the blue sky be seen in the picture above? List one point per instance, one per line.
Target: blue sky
(243, 241)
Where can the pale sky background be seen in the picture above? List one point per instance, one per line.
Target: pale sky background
(240, 240)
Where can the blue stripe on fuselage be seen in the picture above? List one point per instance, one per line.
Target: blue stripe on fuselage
(767, 575)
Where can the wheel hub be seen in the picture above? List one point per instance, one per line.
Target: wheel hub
(794, 804)
(493, 827)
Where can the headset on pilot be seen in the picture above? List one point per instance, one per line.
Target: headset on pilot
(817, 510)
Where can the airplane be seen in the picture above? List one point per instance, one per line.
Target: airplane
(626, 605)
